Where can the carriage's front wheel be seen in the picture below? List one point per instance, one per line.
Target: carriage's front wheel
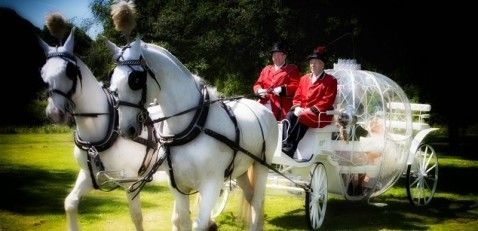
(316, 199)
(422, 176)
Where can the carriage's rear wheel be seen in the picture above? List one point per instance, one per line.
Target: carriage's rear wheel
(422, 176)
(316, 199)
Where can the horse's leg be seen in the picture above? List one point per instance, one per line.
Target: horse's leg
(82, 186)
(209, 192)
(135, 209)
(257, 204)
(181, 218)
(245, 183)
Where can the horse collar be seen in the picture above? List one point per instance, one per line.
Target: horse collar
(195, 127)
(111, 134)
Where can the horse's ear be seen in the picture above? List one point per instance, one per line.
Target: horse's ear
(44, 46)
(70, 41)
(115, 50)
(137, 43)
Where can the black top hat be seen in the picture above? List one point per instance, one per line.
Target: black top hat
(279, 47)
(319, 53)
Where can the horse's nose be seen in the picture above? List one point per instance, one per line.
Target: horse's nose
(131, 131)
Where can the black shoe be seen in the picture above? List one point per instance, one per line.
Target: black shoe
(288, 152)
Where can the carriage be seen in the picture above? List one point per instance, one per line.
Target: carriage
(375, 138)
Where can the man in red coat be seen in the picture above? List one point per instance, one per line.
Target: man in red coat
(314, 96)
(277, 83)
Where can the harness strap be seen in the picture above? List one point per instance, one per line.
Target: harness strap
(232, 145)
(233, 118)
(93, 158)
(90, 114)
(194, 128)
(111, 134)
(90, 168)
(151, 143)
(171, 171)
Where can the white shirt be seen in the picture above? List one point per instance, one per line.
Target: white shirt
(276, 67)
(315, 77)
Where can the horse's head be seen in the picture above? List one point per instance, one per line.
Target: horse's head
(128, 84)
(61, 73)
(146, 73)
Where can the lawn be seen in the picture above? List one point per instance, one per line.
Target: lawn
(38, 171)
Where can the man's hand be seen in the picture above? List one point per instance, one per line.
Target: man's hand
(277, 90)
(262, 92)
(297, 111)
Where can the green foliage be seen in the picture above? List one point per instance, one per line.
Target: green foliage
(233, 85)
(231, 39)
(99, 60)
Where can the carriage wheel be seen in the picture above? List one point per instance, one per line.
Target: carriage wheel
(422, 176)
(222, 200)
(316, 199)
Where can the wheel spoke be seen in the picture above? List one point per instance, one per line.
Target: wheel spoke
(317, 198)
(431, 168)
(429, 159)
(425, 185)
(414, 182)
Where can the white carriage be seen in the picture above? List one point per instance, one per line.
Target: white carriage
(376, 137)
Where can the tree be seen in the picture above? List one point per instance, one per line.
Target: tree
(21, 85)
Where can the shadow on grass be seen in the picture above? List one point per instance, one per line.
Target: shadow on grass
(398, 214)
(457, 180)
(28, 190)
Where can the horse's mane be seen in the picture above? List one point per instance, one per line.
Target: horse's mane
(166, 53)
(212, 90)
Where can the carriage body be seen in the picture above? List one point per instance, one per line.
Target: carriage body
(375, 138)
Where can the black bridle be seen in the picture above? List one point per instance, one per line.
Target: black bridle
(136, 81)
(72, 72)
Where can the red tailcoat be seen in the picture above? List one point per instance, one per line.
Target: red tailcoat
(315, 98)
(286, 77)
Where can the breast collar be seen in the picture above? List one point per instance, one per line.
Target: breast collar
(195, 126)
(111, 134)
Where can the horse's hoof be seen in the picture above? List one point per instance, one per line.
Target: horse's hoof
(212, 226)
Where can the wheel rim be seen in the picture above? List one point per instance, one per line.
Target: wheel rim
(317, 199)
(423, 176)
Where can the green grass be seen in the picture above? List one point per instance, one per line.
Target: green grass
(48, 128)
(38, 171)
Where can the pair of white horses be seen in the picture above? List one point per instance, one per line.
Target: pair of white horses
(196, 165)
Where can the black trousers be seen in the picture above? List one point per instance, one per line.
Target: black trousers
(293, 131)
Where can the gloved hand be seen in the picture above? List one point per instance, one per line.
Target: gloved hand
(262, 92)
(277, 90)
(297, 111)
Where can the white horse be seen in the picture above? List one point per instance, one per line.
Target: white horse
(74, 91)
(197, 160)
